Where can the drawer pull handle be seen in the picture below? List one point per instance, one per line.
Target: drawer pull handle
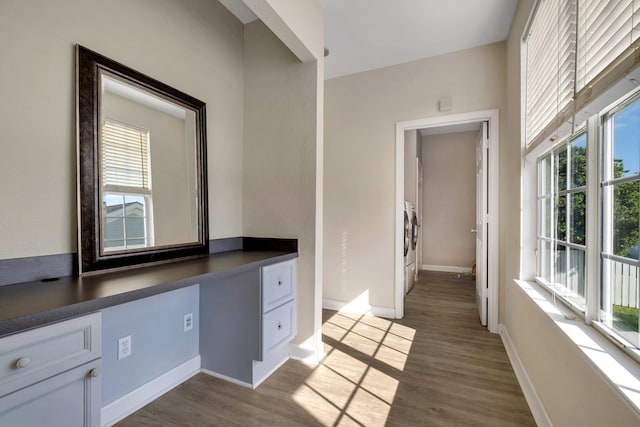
(279, 325)
(279, 282)
(23, 362)
(95, 373)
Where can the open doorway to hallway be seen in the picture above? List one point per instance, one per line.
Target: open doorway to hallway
(446, 179)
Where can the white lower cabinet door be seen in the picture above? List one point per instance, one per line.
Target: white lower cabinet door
(69, 399)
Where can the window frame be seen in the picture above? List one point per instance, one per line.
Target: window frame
(559, 290)
(147, 218)
(605, 138)
(596, 129)
(125, 190)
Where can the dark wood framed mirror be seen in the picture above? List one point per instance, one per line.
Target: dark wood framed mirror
(142, 168)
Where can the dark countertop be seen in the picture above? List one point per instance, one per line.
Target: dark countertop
(29, 305)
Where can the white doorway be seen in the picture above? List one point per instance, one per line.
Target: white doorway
(487, 211)
(482, 214)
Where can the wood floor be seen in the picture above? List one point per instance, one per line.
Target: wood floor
(436, 367)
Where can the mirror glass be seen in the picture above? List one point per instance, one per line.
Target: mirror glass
(142, 175)
(148, 169)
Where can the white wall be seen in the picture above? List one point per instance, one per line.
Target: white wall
(449, 199)
(280, 158)
(192, 45)
(571, 390)
(360, 115)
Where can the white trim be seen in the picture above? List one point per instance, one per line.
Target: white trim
(345, 307)
(260, 380)
(536, 406)
(131, 402)
(242, 383)
(226, 378)
(304, 354)
(492, 116)
(399, 263)
(446, 268)
(609, 361)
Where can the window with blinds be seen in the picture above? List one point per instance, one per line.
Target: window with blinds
(606, 29)
(127, 218)
(550, 65)
(125, 156)
(575, 50)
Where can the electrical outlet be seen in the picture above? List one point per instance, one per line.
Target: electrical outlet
(124, 347)
(188, 322)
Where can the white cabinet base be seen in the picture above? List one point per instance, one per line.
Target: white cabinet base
(273, 360)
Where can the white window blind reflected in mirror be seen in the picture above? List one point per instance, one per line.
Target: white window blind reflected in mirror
(125, 156)
(126, 184)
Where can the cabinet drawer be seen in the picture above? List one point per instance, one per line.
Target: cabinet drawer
(68, 399)
(278, 327)
(278, 284)
(41, 353)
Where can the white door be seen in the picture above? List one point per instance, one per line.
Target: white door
(419, 214)
(482, 158)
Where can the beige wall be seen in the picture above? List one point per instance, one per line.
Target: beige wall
(361, 111)
(296, 23)
(449, 199)
(572, 391)
(193, 45)
(280, 156)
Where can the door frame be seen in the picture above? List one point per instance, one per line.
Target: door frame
(492, 116)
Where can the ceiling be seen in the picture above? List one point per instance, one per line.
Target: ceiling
(363, 35)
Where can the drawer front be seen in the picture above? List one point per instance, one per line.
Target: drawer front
(278, 284)
(70, 399)
(35, 355)
(278, 327)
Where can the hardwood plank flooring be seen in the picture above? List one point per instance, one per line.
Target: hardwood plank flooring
(436, 367)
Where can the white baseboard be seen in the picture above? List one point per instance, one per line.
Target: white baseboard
(269, 373)
(304, 354)
(536, 406)
(446, 268)
(226, 378)
(131, 402)
(349, 307)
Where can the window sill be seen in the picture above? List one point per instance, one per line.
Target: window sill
(617, 368)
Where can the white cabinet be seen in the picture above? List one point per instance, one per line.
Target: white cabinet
(277, 328)
(246, 323)
(278, 284)
(51, 375)
(278, 321)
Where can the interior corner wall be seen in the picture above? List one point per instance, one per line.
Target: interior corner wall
(280, 132)
(361, 112)
(195, 46)
(449, 199)
(572, 391)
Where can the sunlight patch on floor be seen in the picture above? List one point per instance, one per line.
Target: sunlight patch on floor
(346, 388)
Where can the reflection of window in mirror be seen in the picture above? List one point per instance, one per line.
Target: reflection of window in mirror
(126, 187)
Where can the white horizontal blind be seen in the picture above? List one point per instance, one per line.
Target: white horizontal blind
(605, 30)
(550, 66)
(125, 155)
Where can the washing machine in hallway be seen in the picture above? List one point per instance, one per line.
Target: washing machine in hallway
(410, 241)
